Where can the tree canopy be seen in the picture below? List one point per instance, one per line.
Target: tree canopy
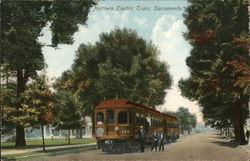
(120, 65)
(219, 62)
(21, 25)
(68, 114)
(187, 120)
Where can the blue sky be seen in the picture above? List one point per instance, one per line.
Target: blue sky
(163, 27)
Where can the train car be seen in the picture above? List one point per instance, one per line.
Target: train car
(116, 124)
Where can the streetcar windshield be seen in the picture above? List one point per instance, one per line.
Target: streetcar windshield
(99, 117)
(123, 117)
(110, 116)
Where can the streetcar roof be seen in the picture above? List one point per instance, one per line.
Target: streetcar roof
(123, 103)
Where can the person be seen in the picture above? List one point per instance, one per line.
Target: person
(155, 141)
(247, 135)
(142, 138)
(161, 142)
(172, 134)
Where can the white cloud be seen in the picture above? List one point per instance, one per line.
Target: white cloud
(140, 21)
(61, 59)
(167, 35)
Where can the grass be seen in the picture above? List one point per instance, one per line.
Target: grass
(37, 143)
(247, 146)
(48, 153)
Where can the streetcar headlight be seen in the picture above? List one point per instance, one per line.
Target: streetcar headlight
(99, 131)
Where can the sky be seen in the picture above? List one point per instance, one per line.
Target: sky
(158, 21)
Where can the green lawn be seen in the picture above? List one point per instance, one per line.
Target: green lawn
(37, 143)
(48, 153)
(247, 147)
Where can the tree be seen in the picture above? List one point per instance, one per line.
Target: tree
(219, 61)
(8, 103)
(119, 65)
(187, 120)
(39, 98)
(21, 25)
(68, 115)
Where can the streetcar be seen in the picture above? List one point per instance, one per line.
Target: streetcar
(117, 121)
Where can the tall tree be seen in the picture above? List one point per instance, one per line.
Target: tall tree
(21, 25)
(39, 98)
(68, 114)
(120, 65)
(219, 61)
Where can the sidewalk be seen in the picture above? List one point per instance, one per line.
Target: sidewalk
(46, 148)
(246, 147)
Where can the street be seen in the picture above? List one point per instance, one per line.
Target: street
(198, 147)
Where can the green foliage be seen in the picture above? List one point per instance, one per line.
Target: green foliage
(187, 120)
(37, 143)
(21, 25)
(67, 111)
(35, 109)
(40, 98)
(219, 61)
(8, 103)
(12, 115)
(120, 64)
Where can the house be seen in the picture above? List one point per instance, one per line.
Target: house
(52, 132)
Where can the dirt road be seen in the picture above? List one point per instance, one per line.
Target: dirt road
(199, 147)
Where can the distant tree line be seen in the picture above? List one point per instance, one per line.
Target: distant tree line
(187, 120)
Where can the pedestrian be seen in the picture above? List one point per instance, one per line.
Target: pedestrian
(247, 135)
(161, 142)
(155, 141)
(142, 138)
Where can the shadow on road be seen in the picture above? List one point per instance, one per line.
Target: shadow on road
(224, 141)
(229, 143)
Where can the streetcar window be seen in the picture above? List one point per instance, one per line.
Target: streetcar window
(137, 118)
(99, 117)
(141, 119)
(160, 122)
(110, 116)
(122, 117)
(153, 121)
(149, 120)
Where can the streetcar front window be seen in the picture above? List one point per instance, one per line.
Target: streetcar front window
(123, 117)
(100, 118)
(110, 116)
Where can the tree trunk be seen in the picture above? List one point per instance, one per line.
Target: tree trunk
(20, 136)
(69, 136)
(149, 98)
(221, 131)
(43, 139)
(22, 79)
(80, 133)
(239, 124)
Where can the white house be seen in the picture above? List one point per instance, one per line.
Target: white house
(52, 132)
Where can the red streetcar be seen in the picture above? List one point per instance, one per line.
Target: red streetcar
(116, 123)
